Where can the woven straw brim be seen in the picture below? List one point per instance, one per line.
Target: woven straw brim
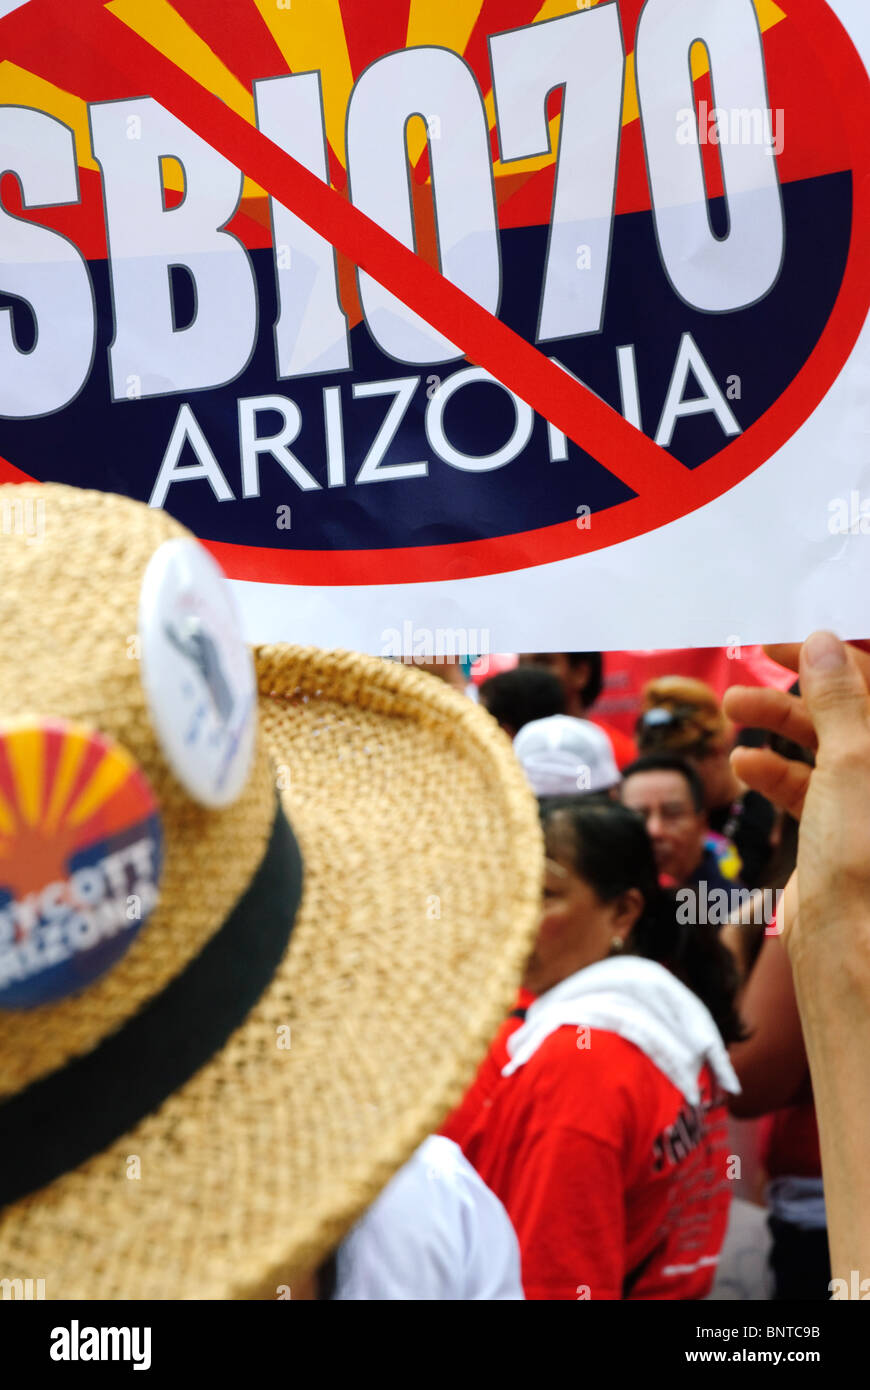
(423, 862)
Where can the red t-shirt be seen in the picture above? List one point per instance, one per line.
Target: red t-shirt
(624, 747)
(616, 1186)
(791, 1143)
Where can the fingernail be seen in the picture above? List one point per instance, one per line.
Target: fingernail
(825, 652)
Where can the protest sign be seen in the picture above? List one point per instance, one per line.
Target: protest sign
(537, 323)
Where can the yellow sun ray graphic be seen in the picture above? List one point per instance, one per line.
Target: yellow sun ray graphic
(26, 752)
(310, 34)
(110, 773)
(18, 87)
(69, 762)
(162, 26)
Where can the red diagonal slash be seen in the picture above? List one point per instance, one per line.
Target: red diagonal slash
(572, 407)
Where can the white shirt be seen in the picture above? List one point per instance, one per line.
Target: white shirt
(435, 1232)
(642, 1002)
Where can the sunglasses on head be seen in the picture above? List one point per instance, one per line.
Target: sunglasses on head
(662, 719)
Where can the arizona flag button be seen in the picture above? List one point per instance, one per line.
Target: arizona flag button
(81, 850)
(197, 672)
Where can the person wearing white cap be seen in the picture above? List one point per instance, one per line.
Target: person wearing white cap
(562, 756)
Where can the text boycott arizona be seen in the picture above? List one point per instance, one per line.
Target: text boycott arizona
(48, 927)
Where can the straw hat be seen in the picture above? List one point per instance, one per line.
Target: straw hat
(266, 1091)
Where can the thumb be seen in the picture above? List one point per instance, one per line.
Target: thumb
(835, 694)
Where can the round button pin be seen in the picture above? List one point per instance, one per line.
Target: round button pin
(81, 850)
(197, 672)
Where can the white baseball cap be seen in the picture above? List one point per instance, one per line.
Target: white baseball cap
(562, 756)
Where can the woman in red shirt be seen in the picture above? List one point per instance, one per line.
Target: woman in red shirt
(598, 1117)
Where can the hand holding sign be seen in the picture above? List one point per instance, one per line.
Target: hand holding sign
(831, 719)
(827, 914)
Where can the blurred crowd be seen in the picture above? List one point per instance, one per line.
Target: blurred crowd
(613, 1118)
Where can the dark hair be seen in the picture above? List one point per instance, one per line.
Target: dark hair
(519, 696)
(612, 852)
(669, 762)
(326, 1278)
(593, 686)
(673, 729)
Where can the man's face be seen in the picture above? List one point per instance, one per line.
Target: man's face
(676, 829)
